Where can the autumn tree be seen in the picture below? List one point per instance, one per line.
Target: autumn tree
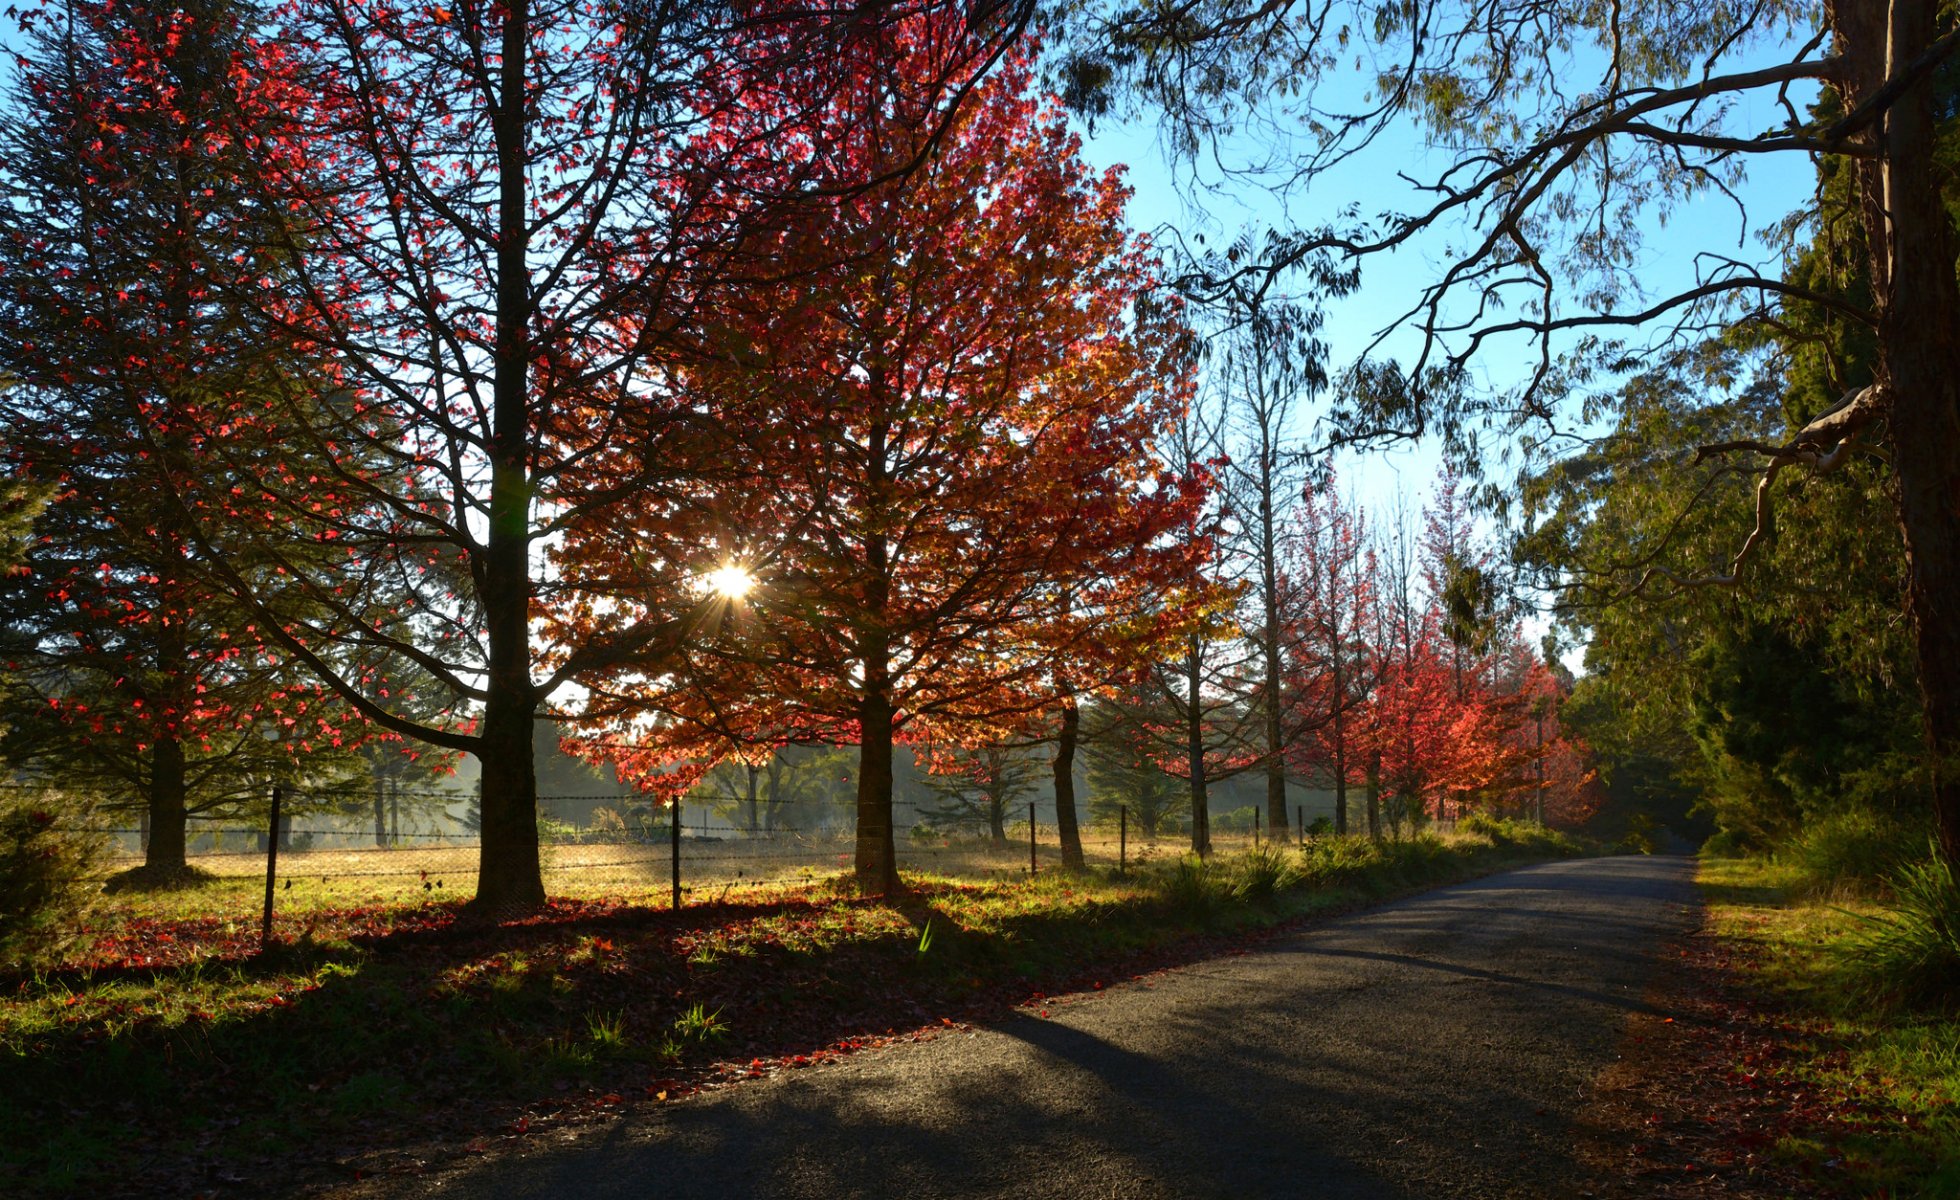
(1556, 128)
(958, 398)
(492, 252)
(1331, 570)
(126, 147)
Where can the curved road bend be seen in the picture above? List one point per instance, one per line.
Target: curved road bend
(1435, 1047)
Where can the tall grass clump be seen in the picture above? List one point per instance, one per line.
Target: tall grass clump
(1910, 955)
(46, 881)
(1194, 887)
(1338, 861)
(1854, 850)
(1261, 874)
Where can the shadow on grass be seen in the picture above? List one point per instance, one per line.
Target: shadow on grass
(452, 1030)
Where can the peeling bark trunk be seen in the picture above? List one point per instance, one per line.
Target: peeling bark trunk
(1913, 251)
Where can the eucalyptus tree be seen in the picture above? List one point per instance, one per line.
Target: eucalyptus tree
(1554, 127)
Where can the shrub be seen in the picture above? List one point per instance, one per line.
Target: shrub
(46, 880)
(1911, 955)
(1331, 862)
(1193, 887)
(1640, 835)
(1263, 873)
(1853, 849)
(1727, 843)
(1501, 832)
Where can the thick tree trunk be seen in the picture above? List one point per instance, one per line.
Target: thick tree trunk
(169, 814)
(1065, 822)
(877, 854)
(1919, 331)
(509, 877)
(997, 824)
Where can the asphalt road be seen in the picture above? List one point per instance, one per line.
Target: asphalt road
(1436, 1047)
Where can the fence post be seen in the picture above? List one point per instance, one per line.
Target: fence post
(1033, 865)
(676, 827)
(1300, 819)
(271, 871)
(1123, 840)
(1255, 828)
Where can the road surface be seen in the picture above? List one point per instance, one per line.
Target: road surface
(1436, 1047)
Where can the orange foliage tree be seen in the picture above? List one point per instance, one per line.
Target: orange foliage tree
(948, 393)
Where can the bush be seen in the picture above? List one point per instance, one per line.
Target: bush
(1331, 862)
(46, 881)
(1261, 874)
(1911, 955)
(1193, 887)
(1853, 849)
(1727, 843)
(1640, 837)
(1501, 831)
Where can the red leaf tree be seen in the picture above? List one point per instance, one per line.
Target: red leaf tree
(1330, 587)
(494, 249)
(957, 378)
(132, 136)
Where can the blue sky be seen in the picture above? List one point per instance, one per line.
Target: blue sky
(1165, 198)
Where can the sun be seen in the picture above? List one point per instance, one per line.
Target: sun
(730, 582)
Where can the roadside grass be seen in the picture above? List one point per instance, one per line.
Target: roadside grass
(1900, 1064)
(169, 1042)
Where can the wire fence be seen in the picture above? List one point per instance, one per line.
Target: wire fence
(667, 855)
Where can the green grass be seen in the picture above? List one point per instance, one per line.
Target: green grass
(377, 1022)
(1889, 1059)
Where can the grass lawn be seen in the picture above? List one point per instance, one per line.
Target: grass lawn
(1892, 1078)
(169, 1049)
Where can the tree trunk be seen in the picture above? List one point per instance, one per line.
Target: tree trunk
(1539, 807)
(509, 876)
(1340, 749)
(1374, 786)
(381, 818)
(997, 824)
(1919, 336)
(755, 816)
(1065, 823)
(169, 817)
(1195, 752)
(877, 854)
(1276, 815)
